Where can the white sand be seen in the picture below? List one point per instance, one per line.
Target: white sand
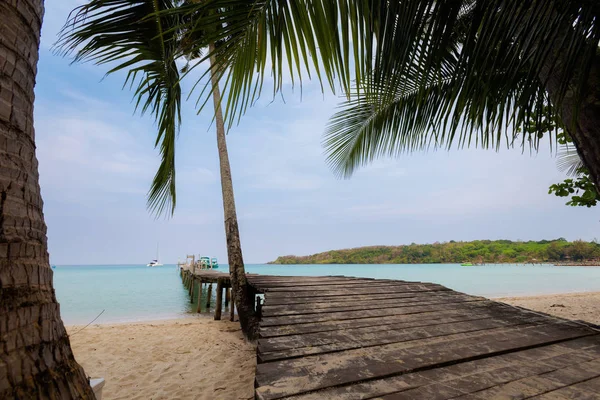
(577, 306)
(191, 358)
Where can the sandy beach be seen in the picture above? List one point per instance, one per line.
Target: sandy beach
(577, 306)
(190, 358)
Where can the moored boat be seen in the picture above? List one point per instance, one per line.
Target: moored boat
(208, 263)
(155, 262)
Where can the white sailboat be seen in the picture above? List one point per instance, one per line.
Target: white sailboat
(155, 262)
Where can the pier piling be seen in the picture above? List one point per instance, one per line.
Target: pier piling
(232, 306)
(209, 295)
(219, 305)
(199, 310)
(192, 282)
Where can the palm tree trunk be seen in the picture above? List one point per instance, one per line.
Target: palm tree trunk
(35, 355)
(243, 293)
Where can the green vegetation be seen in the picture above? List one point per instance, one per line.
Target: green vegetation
(479, 251)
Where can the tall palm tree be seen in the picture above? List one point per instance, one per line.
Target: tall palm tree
(35, 357)
(146, 38)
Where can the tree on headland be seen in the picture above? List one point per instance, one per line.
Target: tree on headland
(479, 251)
(36, 361)
(146, 38)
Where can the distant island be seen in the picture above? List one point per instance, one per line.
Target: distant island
(558, 251)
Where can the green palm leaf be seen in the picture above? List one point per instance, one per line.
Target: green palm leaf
(466, 72)
(278, 37)
(140, 37)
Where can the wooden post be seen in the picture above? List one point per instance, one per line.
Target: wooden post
(209, 296)
(232, 307)
(192, 290)
(199, 310)
(227, 296)
(219, 304)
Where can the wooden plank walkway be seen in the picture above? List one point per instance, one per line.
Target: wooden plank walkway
(353, 338)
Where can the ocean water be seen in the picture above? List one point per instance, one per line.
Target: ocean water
(124, 293)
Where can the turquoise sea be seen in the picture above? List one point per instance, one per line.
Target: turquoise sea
(137, 293)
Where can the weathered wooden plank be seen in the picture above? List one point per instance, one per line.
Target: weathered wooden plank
(302, 300)
(309, 283)
(546, 386)
(380, 312)
(499, 369)
(342, 285)
(587, 390)
(279, 311)
(292, 341)
(325, 301)
(460, 311)
(496, 318)
(260, 280)
(322, 371)
(345, 341)
(552, 383)
(511, 381)
(367, 290)
(334, 294)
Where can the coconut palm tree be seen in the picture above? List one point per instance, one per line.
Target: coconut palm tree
(146, 38)
(36, 357)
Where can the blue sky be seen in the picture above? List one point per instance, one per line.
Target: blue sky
(97, 161)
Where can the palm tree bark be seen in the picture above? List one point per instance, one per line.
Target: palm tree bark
(583, 127)
(243, 293)
(36, 360)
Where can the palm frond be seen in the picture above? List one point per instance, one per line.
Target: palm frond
(568, 161)
(139, 37)
(494, 86)
(294, 39)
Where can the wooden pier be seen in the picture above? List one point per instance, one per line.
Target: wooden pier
(337, 337)
(193, 279)
(351, 338)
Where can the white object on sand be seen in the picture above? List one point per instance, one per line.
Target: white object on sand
(97, 384)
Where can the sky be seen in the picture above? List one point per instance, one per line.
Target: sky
(97, 160)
